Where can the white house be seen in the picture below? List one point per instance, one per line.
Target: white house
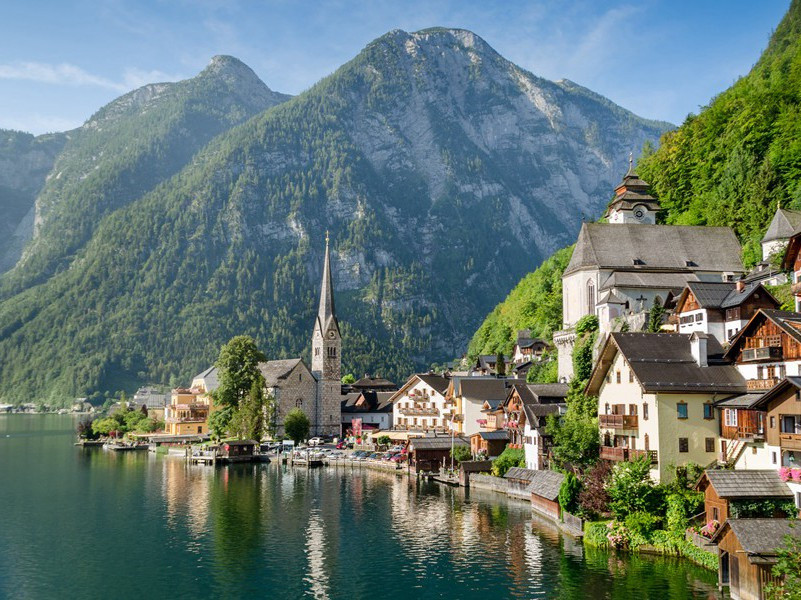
(420, 404)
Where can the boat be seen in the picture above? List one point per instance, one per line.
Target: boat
(123, 446)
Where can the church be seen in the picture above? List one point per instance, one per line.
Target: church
(620, 268)
(316, 391)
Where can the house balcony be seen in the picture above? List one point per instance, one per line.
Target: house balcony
(619, 421)
(433, 412)
(757, 385)
(790, 441)
(620, 454)
(764, 353)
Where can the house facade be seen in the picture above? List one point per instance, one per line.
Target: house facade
(656, 398)
(421, 405)
(782, 422)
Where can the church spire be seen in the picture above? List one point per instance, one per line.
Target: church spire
(326, 310)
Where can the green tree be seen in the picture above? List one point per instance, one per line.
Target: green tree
(238, 367)
(248, 418)
(788, 567)
(632, 490)
(500, 364)
(656, 316)
(569, 493)
(461, 453)
(220, 422)
(384, 440)
(297, 425)
(348, 379)
(511, 457)
(576, 438)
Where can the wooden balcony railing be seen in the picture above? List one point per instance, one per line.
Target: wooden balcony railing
(754, 385)
(620, 454)
(419, 411)
(619, 421)
(790, 441)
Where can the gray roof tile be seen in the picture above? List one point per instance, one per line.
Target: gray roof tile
(747, 484)
(545, 484)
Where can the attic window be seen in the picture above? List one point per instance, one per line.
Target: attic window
(690, 263)
(637, 261)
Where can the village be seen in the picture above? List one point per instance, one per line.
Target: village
(691, 367)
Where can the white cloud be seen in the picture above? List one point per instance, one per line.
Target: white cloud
(67, 74)
(63, 74)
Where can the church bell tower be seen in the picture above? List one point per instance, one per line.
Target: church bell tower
(327, 357)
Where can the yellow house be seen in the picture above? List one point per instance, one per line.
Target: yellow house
(656, 397)
(189, 408)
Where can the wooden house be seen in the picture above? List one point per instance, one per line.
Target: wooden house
(237, 451)
(742, 432)
(720, 308)
(747, 551)
(792, 263)
(782, 418)
(489, 443)
(527, 348)
(527, 408)
(767, 348)
(723, 489)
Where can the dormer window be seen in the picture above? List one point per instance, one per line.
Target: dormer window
(637, 261)
(690, 263)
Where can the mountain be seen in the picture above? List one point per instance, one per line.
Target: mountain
(25, 162)
(442, 170)
(125, 150)
(729, 165)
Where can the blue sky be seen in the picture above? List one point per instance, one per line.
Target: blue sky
(61, 60)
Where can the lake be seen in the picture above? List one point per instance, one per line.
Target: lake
(88, 523)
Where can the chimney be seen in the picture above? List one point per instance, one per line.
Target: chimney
(698, 347)
(740, 285)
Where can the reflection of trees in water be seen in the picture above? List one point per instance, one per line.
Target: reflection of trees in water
(236, 522)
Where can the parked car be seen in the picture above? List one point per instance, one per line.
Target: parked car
(316, 441)
(342, 445)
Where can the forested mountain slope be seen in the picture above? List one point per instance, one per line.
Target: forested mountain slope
(123, 151)
(442, 170)
(729, 165)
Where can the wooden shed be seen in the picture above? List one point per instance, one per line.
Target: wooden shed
(237, 451)
(544, 490)
(747, 550)
(429, 453)
(491, 443)
(722, 487)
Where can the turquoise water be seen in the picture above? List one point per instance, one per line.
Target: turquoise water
(87, 523)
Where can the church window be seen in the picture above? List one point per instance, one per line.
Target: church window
(332, 352)
(299, 403)
(317, 352)
(591, 297)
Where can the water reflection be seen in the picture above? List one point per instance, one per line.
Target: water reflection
(276, 532)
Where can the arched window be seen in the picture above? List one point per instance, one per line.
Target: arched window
(591, 297)
(299, 403)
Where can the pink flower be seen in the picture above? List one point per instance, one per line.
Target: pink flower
(796, 473)
(784, 473)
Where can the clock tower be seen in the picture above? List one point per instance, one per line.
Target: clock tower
(327, 357)
(632, 202)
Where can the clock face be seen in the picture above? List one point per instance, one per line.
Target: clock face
(331, 335)
(639, 213)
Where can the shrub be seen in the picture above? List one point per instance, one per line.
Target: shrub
(680, 506)
(593, 498)
(511, 457)
(641, 523)
(461, 453)
(569, 493)
(631, 489)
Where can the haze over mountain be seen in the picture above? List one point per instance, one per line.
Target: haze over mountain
(443, 172)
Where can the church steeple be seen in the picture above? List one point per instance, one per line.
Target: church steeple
(327, 356)
(326, 314)
(633, 202)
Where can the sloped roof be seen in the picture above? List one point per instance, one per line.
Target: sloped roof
(788, 322)
(483, 389)
(274, 371)
(747, 484)
(545, 484)
(789, 382)
(760, 538)
(437, 443)
(210, 377)
(722, 295)
(742, 401)
(373, 382)
(663, 362)
(647, 280)
(660, 247)
(784, 224)
(499, 435)
(519, 473)
(438, 382)
(548, 391)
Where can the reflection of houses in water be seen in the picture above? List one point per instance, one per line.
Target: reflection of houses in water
(186, 494)
(316, 575)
